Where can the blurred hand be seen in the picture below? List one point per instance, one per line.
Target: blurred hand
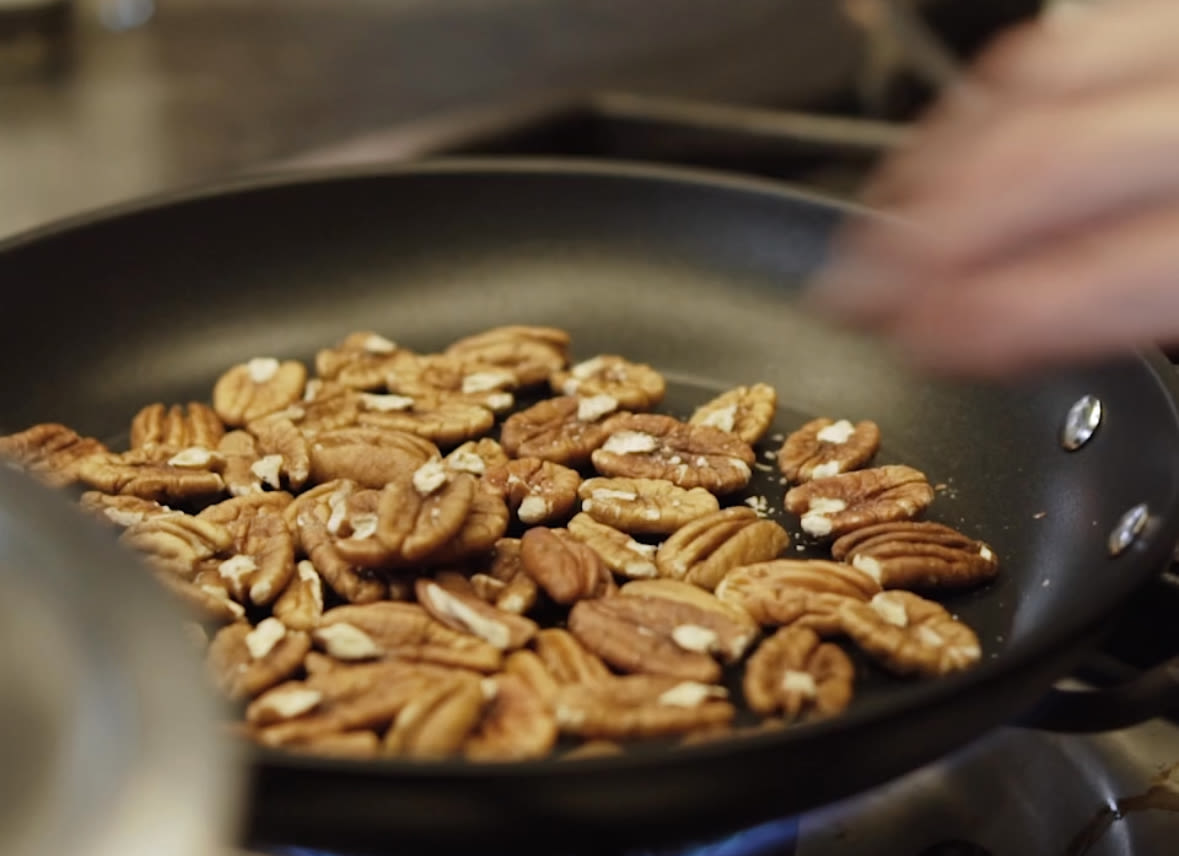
(1046, 200)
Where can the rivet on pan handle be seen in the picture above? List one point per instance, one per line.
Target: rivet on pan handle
(1126, 531)
(1082, 422)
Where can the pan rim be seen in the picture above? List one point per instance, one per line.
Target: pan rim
(930, 692)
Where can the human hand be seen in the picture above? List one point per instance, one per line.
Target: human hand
(1046, 200)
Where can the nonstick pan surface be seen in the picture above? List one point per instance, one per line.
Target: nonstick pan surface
(693, 272)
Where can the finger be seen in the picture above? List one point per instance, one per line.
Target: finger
(1044, 171)
(1097, 293)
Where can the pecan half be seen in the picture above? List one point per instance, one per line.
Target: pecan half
(824, 447)
(532, 353)
(487, 521)
(177, 542)
(450, 378)
(697, 597)
(246, 660)
(300, 606)
(838, 504)
(122, 511)
(50, 452)
(316, 518)
(337, 700)
(436, 722)
(283, 451)
(257, 388)
(744, 411)
(182, 479)
(326, 406)
(705, 549)
(795, 673)
(445, 422)
(909, 554)
(564, 430)
(177, 427)
(910, 635)
(476, 456)
(536, 491)
(644, 506)
(517, 725)
(654, 446)
(527, 666)
(655, 636)
(239, 451)
(208, 600)
(359, 361)
(567, 660)
(264, 547)
(506, 585)
(346, 744)
(802, 592)
(468, 614)
(621, 553)
(635, 386)
(564, 567)
(402, 630)
(638, 706)
(372, 457)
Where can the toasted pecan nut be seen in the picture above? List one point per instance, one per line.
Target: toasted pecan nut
(468, 614)
(592, 749)
(528, 666)
(257, 388)
(122, 511)
(246, 660)
(300, 606)
(836, 505)
(621, 553)
(241, 471)
(506, 585)
(795, 673)
(449, 378)
(536, 491)
(326, 406)
(359, 361)
(517, 725)
(644, 506)
(177, 542)
(476, 456)
(317, 517)
(183, 479)
(445, 422)
(802, 592)
(264, 559)
(402, 630)
(177, 427)
(704, 550)
(567, 660)
(651, 635)
(532, 353)
(50, 452)
(697, 597)
(564, 567)
(436, 722)
(910, 635)
(654, 446)
(744, 411)
(909, 554)
(372, 457)
(346, 744)
(208, 600)
(336, 699)
(638, 706)
(565, 430)
(635, 386)
(823, 447)
(283, 451)
(487, 521)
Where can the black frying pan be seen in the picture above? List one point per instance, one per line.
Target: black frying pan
(691, 272)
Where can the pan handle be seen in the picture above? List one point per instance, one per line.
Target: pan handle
(1153, 693)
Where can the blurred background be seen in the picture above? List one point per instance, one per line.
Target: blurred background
(103, 100)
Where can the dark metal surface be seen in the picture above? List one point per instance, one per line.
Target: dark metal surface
(690, 272)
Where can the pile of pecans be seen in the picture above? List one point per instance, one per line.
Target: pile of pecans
(371, 573)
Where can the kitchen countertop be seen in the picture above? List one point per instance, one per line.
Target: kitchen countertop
(207, 88)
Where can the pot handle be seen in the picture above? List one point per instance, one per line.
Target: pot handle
(1153, 693)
